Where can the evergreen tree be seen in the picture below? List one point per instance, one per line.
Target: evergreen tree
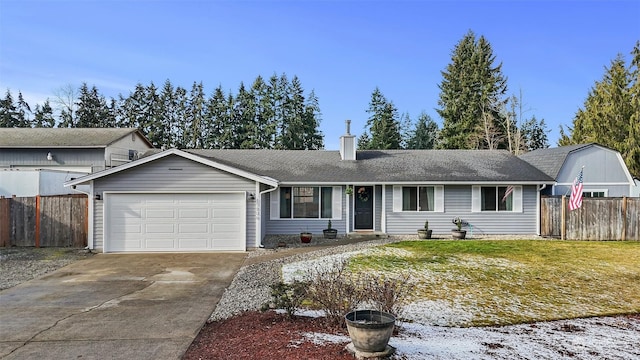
(23, 112)
(425, 134)
(471, 94)
(219, 114)
(534, 135)
(8, 113)
(313, 138)
(609, 112)
(43, 116)
(245, 113)
(292, 125)
(265, 114)
(195, 115)
(92, 110)
(382, 123)
(406, 129)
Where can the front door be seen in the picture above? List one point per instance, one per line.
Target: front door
(363, 207)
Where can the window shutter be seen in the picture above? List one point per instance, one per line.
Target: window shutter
(517, 199)
(336, 203)
(397, 198)
(438, 193)
(274, 212)
(475, 198)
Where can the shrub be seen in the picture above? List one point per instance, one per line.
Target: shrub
(335, 291)
(287, 296)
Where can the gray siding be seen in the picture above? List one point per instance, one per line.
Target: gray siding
(174, 173)
(98, 223)
(295, 226)
(62, 158)
(457, 202)
(602, 170)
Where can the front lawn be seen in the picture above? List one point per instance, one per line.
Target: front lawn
(482, 282)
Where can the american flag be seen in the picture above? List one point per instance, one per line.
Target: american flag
(507, 193)
(575, 201)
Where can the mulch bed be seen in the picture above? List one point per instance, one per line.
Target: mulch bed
(268, 335)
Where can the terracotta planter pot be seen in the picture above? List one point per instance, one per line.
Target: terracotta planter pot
(306, 237)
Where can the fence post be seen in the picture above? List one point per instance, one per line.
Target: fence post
(624, 218)
(37, 234)
(563, 220)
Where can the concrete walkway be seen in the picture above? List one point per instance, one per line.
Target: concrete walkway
(115, 306)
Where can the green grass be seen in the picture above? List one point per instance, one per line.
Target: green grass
(508, 282)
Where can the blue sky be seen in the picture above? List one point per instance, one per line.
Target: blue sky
(552, 51)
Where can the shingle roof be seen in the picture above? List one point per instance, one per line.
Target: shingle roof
(61, 137)
(550, 160)
(380, 166)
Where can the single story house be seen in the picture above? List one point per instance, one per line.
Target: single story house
(204, 200)
(604, 172)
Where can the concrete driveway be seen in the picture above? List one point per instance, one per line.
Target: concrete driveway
(115, 306)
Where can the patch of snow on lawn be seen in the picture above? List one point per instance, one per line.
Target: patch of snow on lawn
(297, 270)
(436, 312)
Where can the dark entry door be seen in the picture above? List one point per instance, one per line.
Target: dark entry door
(363, 208)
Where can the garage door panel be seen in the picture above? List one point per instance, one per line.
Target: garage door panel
(197, 228)
(160, 214)
(160, 228)
(194, 243)
(160, 244)
(175, 222)
(194, 213)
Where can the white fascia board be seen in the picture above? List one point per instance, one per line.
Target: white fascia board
(186, 155)
(365, 183)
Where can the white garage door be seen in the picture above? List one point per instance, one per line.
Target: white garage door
(174, 222)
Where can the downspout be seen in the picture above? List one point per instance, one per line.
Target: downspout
(538, 230)
(259, 229)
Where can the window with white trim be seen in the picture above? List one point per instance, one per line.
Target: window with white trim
(496, 198)
(308, 202)
(418, 198)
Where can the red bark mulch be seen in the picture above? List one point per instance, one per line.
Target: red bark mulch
(268, 335)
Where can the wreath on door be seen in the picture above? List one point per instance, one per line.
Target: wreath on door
(363, 195)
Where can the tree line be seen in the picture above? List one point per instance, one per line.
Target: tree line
(272, 114)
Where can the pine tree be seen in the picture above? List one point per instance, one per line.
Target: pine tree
(219, 114)
(471, 94)
(43, 116)
(265, 124)
(313, 138)
(195, 115)
(8, 115)
(245, 112)
(425, 134)
(382, 123)
(92, 110)
(23, 112)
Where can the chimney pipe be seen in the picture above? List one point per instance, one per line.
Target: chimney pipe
(348, 127)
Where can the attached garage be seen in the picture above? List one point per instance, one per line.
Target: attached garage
(174, 201)
(174, 222)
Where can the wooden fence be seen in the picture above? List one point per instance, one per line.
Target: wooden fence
(596, 219)
(47, 221)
